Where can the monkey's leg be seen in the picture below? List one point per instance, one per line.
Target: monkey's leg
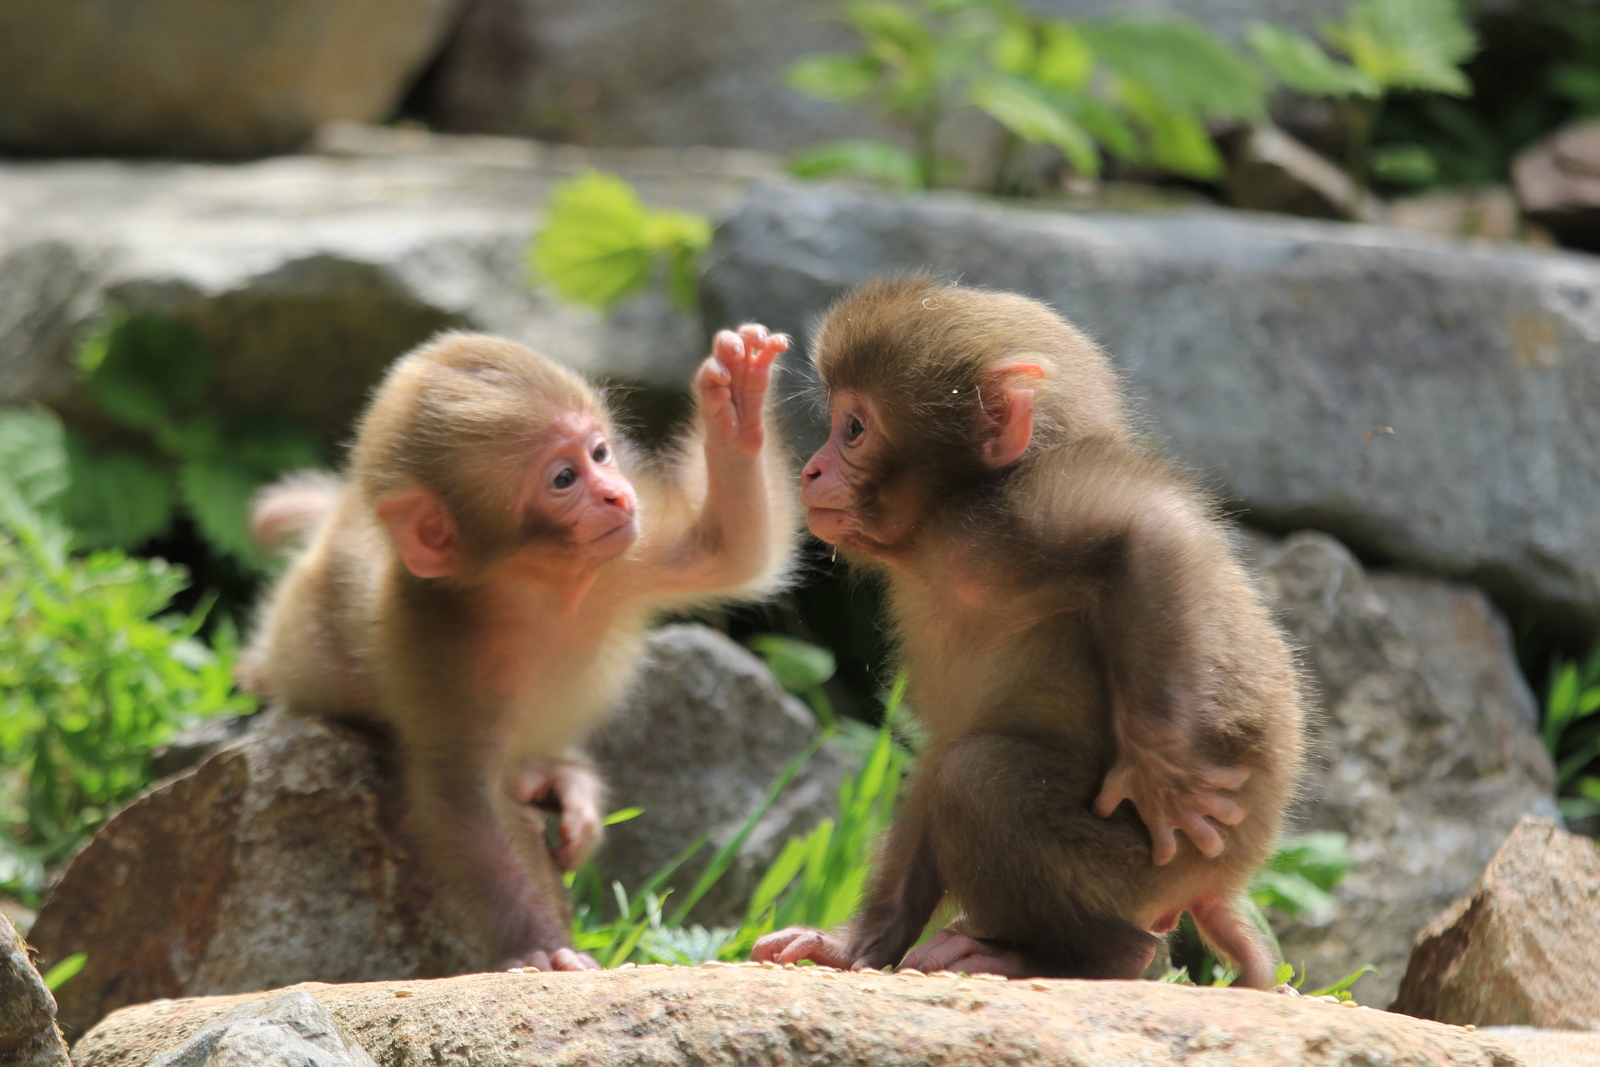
(1045, 884)
(465, 830)
(1237, 938)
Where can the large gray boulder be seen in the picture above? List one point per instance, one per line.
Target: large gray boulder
(28, 1034)
(1425, 748)
(198, 78)
(306, 275)
(1274, 353)
(290, 1029)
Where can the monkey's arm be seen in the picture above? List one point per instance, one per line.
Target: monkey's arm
(572, 788)
(1159, 635)
(728, 521)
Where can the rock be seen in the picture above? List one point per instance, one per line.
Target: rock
(276, 861)
(190, 78)
(306, 276)
(1489, 212)
(1271, 171)
(1537, 1047)
(1426, 750)
(281, 859)
(287, 1030)
(697, 746)
(1272, 352)
(1524, 949)
(680, 72)
(728, 1015)
(1558, 181)
(189, 747)
(28, 1034)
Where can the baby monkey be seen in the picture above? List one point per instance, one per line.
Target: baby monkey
(480, 583)
(1112, 720)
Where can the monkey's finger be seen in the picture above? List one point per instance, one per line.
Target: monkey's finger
(1227, 777)
(566, 959)
(767, 947)
(728, 346)
(1163, 844)
(1203, 834)
(754, 336)
(1220, 808)
(1112, 794)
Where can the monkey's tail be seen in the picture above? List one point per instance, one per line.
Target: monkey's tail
(289, 511)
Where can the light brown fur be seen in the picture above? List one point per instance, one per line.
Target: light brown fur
(491, 669)
(1074, 624)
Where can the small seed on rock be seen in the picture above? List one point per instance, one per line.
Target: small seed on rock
(865, 988)
(911, 972)
(945, 974)
(1350, 1004)
(769, 965)
(1328, 998)
(1036, 984)
(630, 965)
(1470, 1026)
(402, 992)
(791, 966)
(825, 969)
(868, 970)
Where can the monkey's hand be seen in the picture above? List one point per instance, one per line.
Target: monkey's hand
(733, 385)
(575, 790)
(1171, 796)
(951, 951)
(562, 959)
(803, 943)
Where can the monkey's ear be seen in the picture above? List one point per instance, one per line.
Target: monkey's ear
(1009, 410)
(423, 531)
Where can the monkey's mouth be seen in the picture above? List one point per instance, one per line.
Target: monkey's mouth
(615, 539)
(831, 524)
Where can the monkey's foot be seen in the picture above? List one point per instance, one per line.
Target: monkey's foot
(950, 951)
(802, 943)
(562, 959)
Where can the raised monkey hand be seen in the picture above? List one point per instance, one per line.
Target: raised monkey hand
(732, 386)
(1172, 795)
(574, 790)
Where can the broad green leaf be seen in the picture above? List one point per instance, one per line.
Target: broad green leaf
(1025, 113)
(1301, 64)
(893, 31)
(592, 248)
(1184, 66)
(273, 446)
(1065, 59)
(798, 665)
(1407, 44)
(1404, 164)
(153, 365)
(33, 456)
(1103, 122)
(1290, 892)
(217, 492)
(116, 498)
(1177, 141)
(1561, 705)
(1014, 50)
(873, 160)
(840, 78)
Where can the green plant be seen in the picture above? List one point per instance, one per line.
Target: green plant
(1137, 89)
(94, 673)
(1388, 46)
(1571, 732)
(801, 668)
(600, 244)
(150, 374)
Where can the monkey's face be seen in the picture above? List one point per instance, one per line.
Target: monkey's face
(574, 493)
(848, 500)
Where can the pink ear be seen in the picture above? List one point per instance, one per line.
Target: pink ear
(423, 531)
(1010, 411)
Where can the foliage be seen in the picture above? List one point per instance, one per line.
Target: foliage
(61, 973)
(1299, 879)
(600, 244)
(1571, 732)
(150, 375)
(1388, 46)
(93, 674)
(801, 668)
(1137, 89)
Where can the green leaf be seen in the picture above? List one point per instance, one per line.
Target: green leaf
(622, 815)
(1343, 985)
(1404, 164)
(839, 78)
(33, 456)
(271, 447)
(217, 492)
(874, 160)
(1065, 59)
(1178, 142)
(1407, 44)
(1182, 65)
(116, 499)
(1301, 64)
(153, 365)
(893, 31)
(57, 976)
(798, 665)
(592, 248)
(1027, 114)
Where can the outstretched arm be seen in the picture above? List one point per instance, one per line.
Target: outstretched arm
(724, 512)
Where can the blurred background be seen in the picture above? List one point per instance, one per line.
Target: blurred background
(1338, 246)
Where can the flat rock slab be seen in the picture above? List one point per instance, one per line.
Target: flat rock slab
(1537, 1047)
(710, 1016)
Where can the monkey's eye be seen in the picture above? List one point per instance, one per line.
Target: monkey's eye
(565, 479)
(853, 429)
(601, 453)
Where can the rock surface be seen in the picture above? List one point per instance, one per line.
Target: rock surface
(711, 1017)
(1558, 182)
(281, 858)
(697, 745)
(1272, 353)
(1425, 748)
(307, 275)
(1537, 1047)
(194, 78)
(290, 1029)
(1524, 949)
(28, 1034)
(1271, 171)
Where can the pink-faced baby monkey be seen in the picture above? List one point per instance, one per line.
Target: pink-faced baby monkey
(480, 582)
(1112, 720)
